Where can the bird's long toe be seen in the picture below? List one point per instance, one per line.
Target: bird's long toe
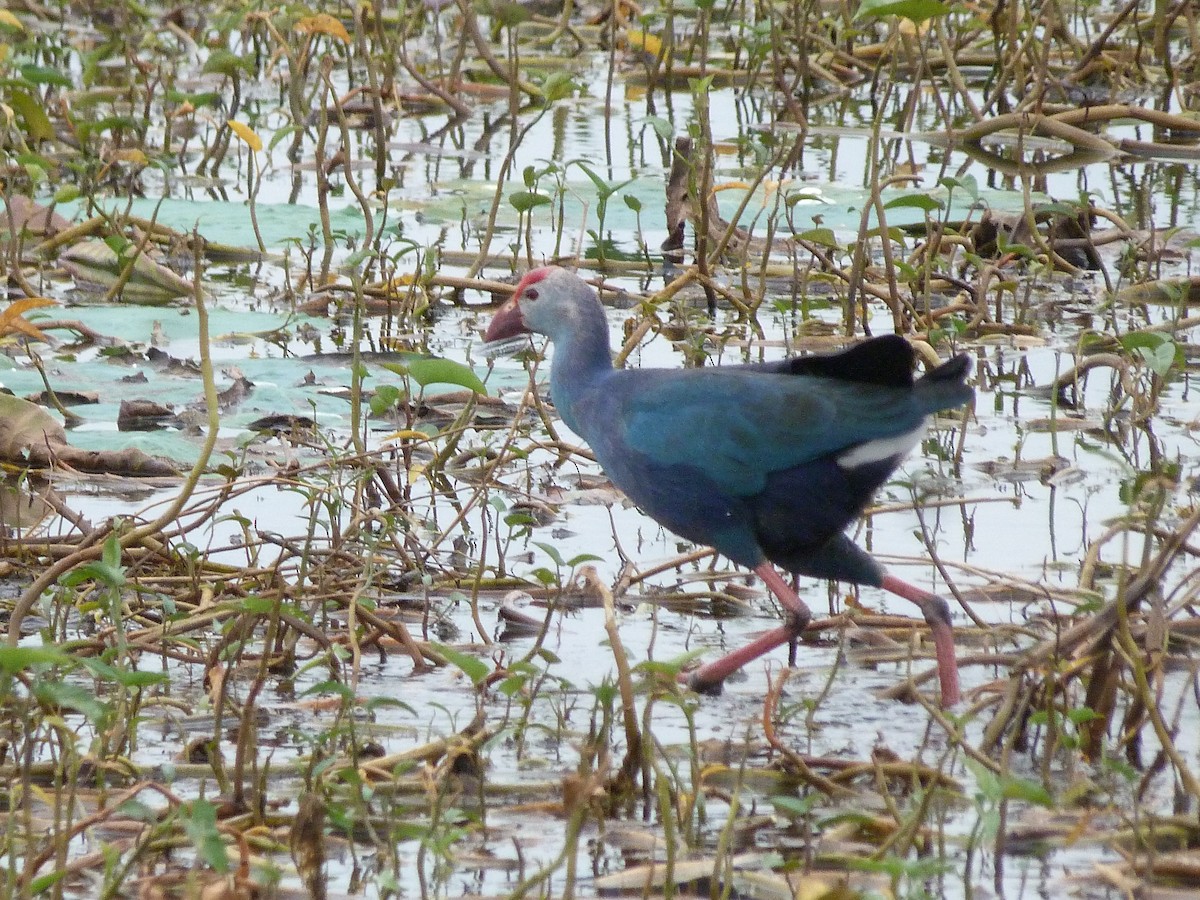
(695, 681)
(937, 615)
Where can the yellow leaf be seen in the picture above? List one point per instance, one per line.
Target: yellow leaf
(20, 307)
(131, 155)
(407, 434)
(11, 321)
(323, 23)
(648, 43)
(9, 21)
(20, 326)
(909, 28)
(731, 186)
(246, 133)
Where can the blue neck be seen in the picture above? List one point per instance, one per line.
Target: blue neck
(581, 359)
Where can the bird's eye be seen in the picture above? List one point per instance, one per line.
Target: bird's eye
(531, 294)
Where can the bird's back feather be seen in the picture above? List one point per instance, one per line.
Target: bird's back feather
(761, 459)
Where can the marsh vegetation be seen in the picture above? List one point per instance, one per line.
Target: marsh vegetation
(306, 595)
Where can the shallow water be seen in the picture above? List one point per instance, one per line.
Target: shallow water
(992, 519)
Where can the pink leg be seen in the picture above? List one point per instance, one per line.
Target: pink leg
(937, 614)
(710, 676)
(933, 608)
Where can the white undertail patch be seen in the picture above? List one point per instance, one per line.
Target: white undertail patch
(883, 448)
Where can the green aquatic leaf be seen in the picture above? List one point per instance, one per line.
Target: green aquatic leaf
(427, 370)
(44, 75)
(915, 201)
(473, 667)
(18, 659)
(915, 10)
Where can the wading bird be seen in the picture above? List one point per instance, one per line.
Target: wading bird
(766, 463)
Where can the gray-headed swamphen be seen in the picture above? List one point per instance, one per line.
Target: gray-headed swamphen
(766, 463)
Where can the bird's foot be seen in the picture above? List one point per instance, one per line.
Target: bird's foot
(695, 681)
(937, 614)
(708, 678)
(797, 622)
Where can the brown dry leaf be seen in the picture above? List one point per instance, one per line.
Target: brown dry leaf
(747, 878)
(1180, 866)
(25, 425)
(23, 214)
(30, 435)
(308, 843)
(20, 508)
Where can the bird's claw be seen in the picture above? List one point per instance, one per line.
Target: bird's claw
(798, 621)
(693, 682)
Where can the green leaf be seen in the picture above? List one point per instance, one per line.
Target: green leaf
(551, 551)
(793, 807)
(258, 606)
(916, 10)
(986, 780)
(112, 577)
(1070, 210)
(602, 187)
(18, 659)
(330, 686)
(42, 75)
(66, 193)
(967, 183)
(285, 132)
(43, 883)
(388, 703)
(509, 14)
(524, 201)
(670, 667)
(1158, 351)
(223, 62)
(111, 556)
(37, 124)
(70, 696)
(1082, 714)
(197, 99)
(130, 678)
(1160, 360)
(558, 86)
(662, 127)
(822, 237)
(435, 370)
(385, 398)
(473, 667)
(1025, 790)
(136, 809)
(512, 685)
(894, 233)
(200, 823)
(914, 201)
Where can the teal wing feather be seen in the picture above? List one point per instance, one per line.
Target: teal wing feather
(740, 426)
